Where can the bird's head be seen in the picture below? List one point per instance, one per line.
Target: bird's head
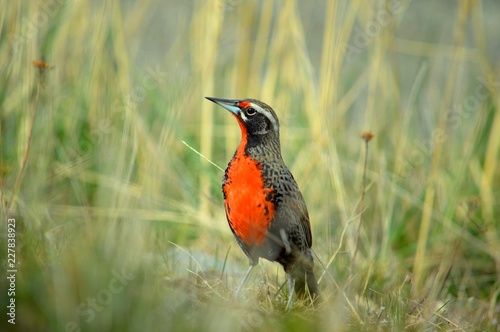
(254, 117)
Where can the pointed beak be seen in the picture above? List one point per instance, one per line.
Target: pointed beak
(230, 104)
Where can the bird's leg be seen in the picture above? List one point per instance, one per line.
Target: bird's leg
(291, 286)
(244, 281)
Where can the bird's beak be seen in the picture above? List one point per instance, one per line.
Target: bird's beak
(230, 104)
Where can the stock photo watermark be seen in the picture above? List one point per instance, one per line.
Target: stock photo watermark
(29, 27)
(251, 321)
(11, 270)
(455, 116)
(365, 35)
(88, 310)
(229, 5)
(153, 78)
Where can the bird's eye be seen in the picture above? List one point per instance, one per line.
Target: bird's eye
(251, 111)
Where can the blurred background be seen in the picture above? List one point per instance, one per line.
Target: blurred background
(111, 158)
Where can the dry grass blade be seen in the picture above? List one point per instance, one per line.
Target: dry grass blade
(121, 228)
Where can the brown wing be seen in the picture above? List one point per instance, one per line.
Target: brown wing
(290, 208)
(300, 209)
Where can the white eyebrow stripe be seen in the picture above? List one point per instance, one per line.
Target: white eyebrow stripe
(267, 114)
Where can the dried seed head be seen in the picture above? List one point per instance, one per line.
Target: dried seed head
(367, 136)
(473, 203)
(41, 65)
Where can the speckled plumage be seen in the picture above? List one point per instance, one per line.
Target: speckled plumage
(264, 206)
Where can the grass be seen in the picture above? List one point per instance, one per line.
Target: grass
(119, 220)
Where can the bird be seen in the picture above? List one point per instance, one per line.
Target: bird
(264, 207)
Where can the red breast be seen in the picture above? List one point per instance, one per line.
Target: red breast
(248, 207)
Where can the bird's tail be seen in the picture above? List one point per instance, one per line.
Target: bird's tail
(306, 285)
